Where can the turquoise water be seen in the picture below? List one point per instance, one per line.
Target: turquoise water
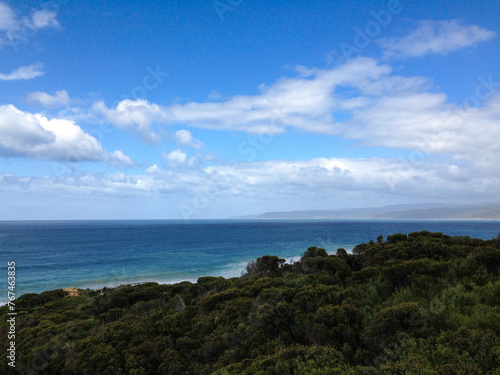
(93, 254)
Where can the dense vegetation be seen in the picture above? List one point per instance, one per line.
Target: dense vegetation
(423, 303)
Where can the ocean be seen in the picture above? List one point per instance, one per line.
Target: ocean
(93, 254)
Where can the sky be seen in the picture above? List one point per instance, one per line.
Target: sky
(214, 109)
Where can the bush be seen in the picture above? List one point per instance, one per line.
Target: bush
(265, 266)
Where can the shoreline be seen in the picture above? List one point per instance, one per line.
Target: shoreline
(129, 254)
(114, 285)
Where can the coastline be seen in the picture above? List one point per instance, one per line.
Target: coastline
(93, 255)
(91, 286)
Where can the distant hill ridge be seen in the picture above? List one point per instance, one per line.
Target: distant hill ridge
(482, 211)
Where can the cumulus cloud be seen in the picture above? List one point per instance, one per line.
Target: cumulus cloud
(176, 157)
(60, 99)
(15, 29)
(436, 37)
(137, 115)
(23, 73)
(42, 18)
(184, 137)
(179, 159)
(35, 136)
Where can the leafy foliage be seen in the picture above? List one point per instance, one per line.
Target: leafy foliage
(422, 303)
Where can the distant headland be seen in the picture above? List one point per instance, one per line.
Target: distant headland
(432, 211)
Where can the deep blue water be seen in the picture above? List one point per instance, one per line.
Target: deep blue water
(51, 255)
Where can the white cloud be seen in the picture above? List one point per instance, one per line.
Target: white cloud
(15, 29)
(436, 37)
(361, 100)
(179, 159)
(303, 103)
(184, 137)
(321, 182)
(23, 73)
(60, 99)
(37, 137)
(7, 18)
(42, 18)
(425, 122)
(176, 157)
(135, 115)
(152, 169)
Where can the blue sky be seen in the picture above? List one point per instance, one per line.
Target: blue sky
(211, 109)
